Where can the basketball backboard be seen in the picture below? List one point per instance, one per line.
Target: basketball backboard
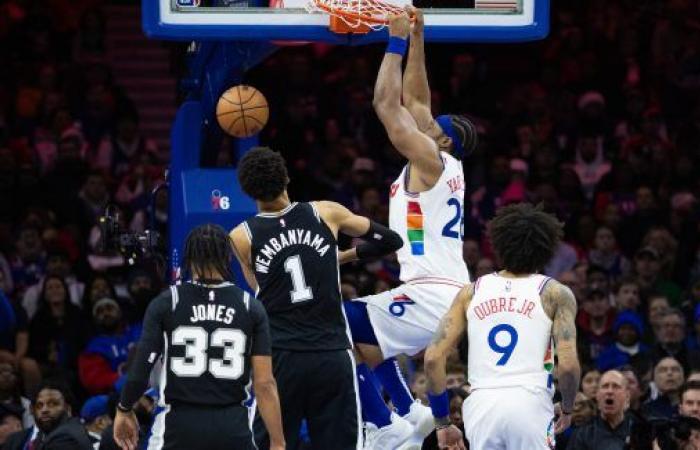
(258, 20)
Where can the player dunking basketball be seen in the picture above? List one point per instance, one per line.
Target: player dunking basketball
(510, 317)
(426, 209)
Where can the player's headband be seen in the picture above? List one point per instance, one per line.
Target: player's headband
(461, 131)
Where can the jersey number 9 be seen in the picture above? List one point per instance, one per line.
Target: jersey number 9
(506, 351)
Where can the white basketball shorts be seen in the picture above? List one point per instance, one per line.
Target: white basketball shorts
(405, 319)
(509, 418)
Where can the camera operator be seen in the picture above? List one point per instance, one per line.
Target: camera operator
(611, 429)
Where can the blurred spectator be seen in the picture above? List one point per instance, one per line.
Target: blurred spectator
(627, 348)
(671, 341)
(10, 421)
(456, 375)
(668, 380)
(104, 360)
(611, 429)
(591, 165)
(29, 262)
(419, 386)
(10, 394)
(96, 419)
(14, 341)
(657, 307)
(590, 379)
(125, 147)
(55, 332)
(55, 428)
(690, 400)
(57, 264)
(606, 254)
(634, 387)
(647, 267)
(595, 322)
(627, 295)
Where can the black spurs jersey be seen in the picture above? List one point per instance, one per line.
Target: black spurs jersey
(295, 260)
(206, 336)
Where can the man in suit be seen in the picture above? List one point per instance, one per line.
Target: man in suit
(55, 429)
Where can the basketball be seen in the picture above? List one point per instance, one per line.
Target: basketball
(242, 111)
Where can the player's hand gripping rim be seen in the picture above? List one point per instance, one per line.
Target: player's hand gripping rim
(449, 437)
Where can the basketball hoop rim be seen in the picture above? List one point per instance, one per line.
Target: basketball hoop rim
(372, 6)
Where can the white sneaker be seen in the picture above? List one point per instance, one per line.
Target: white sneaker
(421, 417)
(390, 437)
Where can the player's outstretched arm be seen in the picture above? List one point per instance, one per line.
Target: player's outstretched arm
(378, 239)
(264, 384)
(447, 337)
(416, 91)
(559, 299)
(241, 248)
(401, 127)
(148, 349)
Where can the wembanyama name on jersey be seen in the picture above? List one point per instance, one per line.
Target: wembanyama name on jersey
(296, 236)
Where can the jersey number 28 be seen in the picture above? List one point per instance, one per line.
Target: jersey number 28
(196, 341)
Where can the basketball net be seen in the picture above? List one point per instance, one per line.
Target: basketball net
(355, 16)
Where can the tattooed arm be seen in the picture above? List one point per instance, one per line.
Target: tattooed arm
(452, 326)
(560, 304)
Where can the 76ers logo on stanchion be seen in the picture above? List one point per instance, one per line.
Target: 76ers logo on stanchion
(398, 307)
(219, 201)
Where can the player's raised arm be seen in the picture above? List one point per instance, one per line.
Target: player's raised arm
(416, 91)
(452, 327)
(378, 239)
(241, 248)
(562, 301)
(401, 127)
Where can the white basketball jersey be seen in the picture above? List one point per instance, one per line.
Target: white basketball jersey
(431, 224)
(509, 333)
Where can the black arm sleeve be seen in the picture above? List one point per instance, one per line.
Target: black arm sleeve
(379, 241)
(150, 346)
(261, 330)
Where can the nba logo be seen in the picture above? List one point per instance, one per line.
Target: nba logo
(218, 201)
(188, 3)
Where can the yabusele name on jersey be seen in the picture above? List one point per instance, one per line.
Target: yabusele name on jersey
(504, 304)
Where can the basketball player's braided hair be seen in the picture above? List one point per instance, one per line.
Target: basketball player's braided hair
(262, 174)
(467, 132)
(208, 251)
(524, 237)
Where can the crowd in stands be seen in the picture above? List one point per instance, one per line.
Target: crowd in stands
(600, 123)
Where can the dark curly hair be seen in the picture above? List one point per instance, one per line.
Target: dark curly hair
(524, 237)
(262, 174)
(208, 247)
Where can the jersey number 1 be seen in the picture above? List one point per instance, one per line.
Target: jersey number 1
(300, 292)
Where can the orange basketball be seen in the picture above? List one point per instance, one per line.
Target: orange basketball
(242, 111)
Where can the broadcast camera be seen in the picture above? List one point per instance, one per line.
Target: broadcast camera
(133, 246)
